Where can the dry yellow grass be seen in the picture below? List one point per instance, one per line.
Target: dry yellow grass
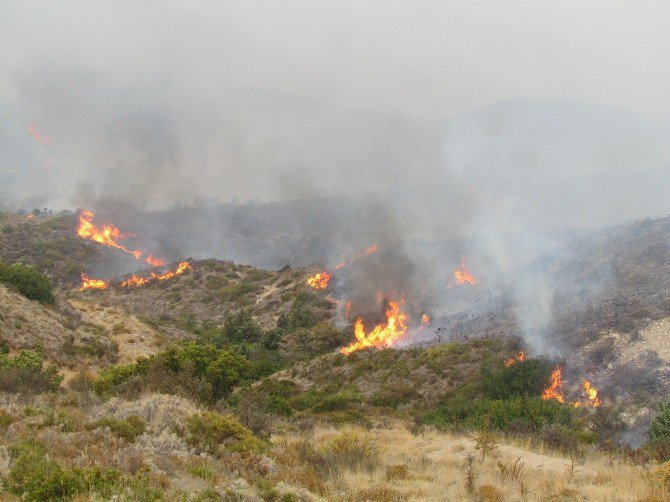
(134, 338)
(433, 465)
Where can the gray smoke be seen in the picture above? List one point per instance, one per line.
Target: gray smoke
(418, 127)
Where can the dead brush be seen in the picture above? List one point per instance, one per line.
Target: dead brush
(299, 463)
(397, 471)
(380, 494)
(511, 474)
(470, 476)
(353, 451)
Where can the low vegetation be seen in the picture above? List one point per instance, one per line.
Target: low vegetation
(26, 373)
(27, 281)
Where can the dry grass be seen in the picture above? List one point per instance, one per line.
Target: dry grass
(434, 466)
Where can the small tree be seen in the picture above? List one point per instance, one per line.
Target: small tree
(485, 440)
(659, 430)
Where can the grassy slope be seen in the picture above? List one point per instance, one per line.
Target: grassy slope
(211, 291)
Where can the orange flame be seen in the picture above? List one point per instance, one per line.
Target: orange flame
(87, 283)
(553, 390)
(592, 398)
(108, 236)
(516, 358)
(319, 280)
(154, 262)
(139, 281)
(383, 335)
(372, 249)
(463, 275)
(347, 309)
(425, 322)
(32, 129)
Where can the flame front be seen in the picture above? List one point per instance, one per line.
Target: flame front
(372, 249)
(140, 281)
(553, 390)
(108, 236)
(592, 398)
(320, 280)
(383, 335)
(87, 283)
(154, 262)
(463, 275)
(516, 358)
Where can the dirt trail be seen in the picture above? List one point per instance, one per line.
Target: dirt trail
(134, 338)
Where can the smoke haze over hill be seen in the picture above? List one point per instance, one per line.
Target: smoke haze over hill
(430, 121)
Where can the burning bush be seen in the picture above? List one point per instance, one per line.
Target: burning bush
(525, 378)
(499, 413)
(508, 398)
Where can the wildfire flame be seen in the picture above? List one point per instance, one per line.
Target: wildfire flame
(425, 322)
(319, 280)
(108, 236)
(135, 281)
(371, 250)
(382, 335)
(553, 390)
(154, 262)
(516, 358)
(463, 275)
(37, 136)
(347, 309)
(592, 398)
(87, 283)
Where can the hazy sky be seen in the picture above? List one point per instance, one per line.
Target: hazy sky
(425, 59)
(155, 103)
(161, 101)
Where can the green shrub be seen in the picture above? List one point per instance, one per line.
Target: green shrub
(202, 470)
(35, 477)
(659, 430)
(25, 372)
(336, 402)
(500, 413)
(127, 428)
(525, 378)
(300, 315)
(236, 292)
(200, 370)
(28, 281)
(6, 419)
(59, 419)
(305, 343)
(238, 328)
(213, 432)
